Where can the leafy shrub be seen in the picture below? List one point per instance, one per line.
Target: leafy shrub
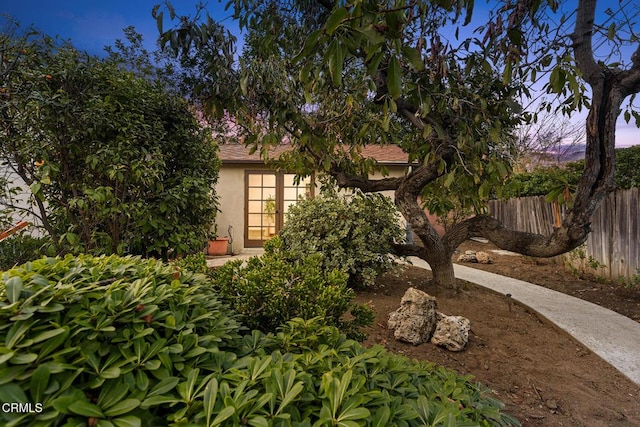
(580, 264)
(21, 248)
(196, 263)
(354, 234)
(627, 173)
(118, 340)
(123, 164)
(123, 342)
(309, 374)
(545, 180)
(271, 289)
(541, 181)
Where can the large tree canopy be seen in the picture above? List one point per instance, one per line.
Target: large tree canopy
(114, 162)
(332, 77)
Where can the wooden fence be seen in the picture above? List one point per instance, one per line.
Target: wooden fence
(614, 242)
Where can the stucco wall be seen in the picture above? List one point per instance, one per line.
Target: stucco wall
(230, 191)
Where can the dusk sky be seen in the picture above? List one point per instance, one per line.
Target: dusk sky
(91, 25)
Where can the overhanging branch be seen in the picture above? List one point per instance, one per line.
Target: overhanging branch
(345, 180)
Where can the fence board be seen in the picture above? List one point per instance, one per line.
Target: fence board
(614, 241)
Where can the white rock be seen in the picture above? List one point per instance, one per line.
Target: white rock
(452, 332)
(415, 320)
(483, 258)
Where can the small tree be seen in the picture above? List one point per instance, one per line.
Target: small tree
(353, 234)
(114, 162)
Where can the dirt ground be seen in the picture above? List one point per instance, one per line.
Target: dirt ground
(544, 377)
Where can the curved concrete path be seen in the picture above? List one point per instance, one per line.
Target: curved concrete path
(613, 337)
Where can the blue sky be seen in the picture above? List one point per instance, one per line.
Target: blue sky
(93, 24)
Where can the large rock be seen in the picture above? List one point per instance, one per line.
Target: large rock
(415, 320)
(468, 256)
(473, 256)
(452, 332)
(483, 258)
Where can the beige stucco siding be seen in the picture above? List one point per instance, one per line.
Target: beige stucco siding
(230, 190)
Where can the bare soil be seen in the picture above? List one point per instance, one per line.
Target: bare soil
(543, 375)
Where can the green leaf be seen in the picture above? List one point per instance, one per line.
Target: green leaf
(85, 409)
(53, 343)
(449, 179)
(159, 20)
(414, 57)
(164, 386)
(128, 421)
(611, 31)
(223, 415)
(336, 55)
(163, 400)
(39, 382)
(23, 359)
(110, 373)
(111, 393)
(12, 393)
(209, 399)
(142, 380)
(123, 407)
(258, 422)
(5, 354)
(336, 19)
(354, 414)
(394, 78)
(13, 288)
(35, 188)
(381, 417)
(48, 334)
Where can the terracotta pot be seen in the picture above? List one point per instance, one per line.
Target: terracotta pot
(218, 246)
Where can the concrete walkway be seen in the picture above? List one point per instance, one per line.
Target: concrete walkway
(613, 337)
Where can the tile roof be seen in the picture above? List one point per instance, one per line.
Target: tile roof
(238, 153)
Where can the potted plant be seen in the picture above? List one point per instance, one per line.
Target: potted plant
(217, 246)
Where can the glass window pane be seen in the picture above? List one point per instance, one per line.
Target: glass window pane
(255, 207)
(288, 180)
(269, 180)
(255, 194)
(268, 193)
(255, 233)
(292, 193)
(255, 180)
(255, 220)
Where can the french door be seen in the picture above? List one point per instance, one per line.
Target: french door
(268, 197)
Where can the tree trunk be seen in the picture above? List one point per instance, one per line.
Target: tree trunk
(443, 274)
(436, 251)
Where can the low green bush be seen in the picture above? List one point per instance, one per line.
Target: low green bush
(121, 340)
(196, 263)
(21, 248)
(271, 289)
(311, 375)
(354, 234)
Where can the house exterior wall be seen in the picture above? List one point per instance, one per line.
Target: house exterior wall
(231, 194)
